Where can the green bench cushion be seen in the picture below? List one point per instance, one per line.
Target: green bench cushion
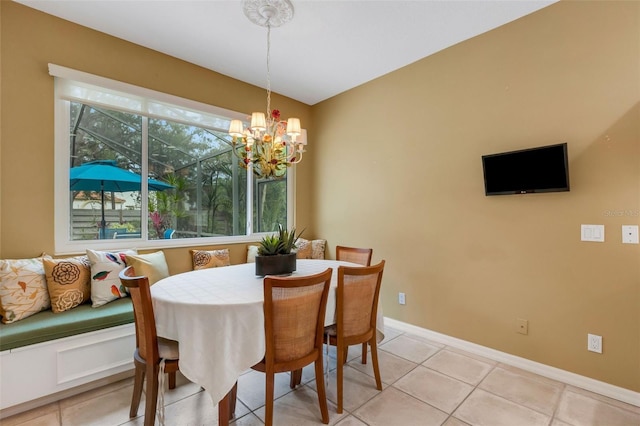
(46, 325)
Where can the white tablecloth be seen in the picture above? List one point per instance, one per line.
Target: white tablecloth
(217, 317)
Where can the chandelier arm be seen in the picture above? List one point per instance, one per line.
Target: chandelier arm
(236, 148)
(297, 156)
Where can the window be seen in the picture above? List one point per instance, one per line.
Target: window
(109, 135)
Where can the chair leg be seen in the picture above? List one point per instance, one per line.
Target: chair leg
(322, 393)
(172, 380)
(224, 407)
(232, 401)
(152, 395)
(364, 352)
(340, 373)
(268, 416)
(138, 382)
(374, 359)
(296, 378)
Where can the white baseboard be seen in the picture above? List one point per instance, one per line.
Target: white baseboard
(592, 385)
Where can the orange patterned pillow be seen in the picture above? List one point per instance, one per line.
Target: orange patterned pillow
(203, 259)
(68, 281)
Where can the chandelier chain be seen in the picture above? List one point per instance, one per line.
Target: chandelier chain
(268, 72)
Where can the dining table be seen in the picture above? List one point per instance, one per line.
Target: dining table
(217, 317)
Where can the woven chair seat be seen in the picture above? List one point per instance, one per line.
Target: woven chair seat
(168, 349)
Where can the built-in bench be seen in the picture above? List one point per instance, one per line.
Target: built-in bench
(47, 354)
(46, 325)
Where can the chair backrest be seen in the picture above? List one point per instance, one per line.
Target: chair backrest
(169, 233)
(294, 311)
(357, 299)
(146, 335)
(360, 256)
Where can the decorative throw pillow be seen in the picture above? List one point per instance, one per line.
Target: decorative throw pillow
(252, 252)
(23, 289)
(306, 249)
(303, 249)
(68, 282)
(317, 249)
(151, 265)
(203, 259)
(105, 282)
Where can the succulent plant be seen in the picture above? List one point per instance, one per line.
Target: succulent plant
(270, 246)
(281, 243)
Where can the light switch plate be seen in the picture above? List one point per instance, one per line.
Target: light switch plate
(592, 233)
(630, 234)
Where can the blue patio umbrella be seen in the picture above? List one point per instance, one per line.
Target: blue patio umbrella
(105, 175)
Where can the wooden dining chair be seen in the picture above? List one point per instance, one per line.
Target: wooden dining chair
(356, 314)
(361, 256)
(294, 311)
(153, 354)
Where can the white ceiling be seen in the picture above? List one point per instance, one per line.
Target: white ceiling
(330, 46)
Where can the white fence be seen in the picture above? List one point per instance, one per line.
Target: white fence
(86, 222)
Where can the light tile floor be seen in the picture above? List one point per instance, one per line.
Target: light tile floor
(424, 383)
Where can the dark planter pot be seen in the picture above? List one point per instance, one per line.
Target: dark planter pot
(279, 264)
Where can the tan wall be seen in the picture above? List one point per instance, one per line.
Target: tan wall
(30, 40)
(398, 168)
(1, 85)
(395, 165)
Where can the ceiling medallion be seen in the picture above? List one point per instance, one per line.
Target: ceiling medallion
(273, 13)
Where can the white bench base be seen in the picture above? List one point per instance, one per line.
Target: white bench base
(38, 374)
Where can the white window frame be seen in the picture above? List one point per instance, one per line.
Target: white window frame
(144, 100)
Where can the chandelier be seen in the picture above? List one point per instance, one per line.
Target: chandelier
(269, 145)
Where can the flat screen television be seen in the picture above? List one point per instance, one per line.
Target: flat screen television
(541, 169)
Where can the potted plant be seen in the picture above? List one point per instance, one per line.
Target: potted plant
(274, 253)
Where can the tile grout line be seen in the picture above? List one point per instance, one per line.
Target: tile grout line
(557, 405)
(475, 387)
(352, 413)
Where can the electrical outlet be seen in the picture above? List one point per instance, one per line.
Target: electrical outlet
(522, 326)
(401, 299)
(594, 343)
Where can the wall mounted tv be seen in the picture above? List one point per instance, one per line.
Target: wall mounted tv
(541, 169)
